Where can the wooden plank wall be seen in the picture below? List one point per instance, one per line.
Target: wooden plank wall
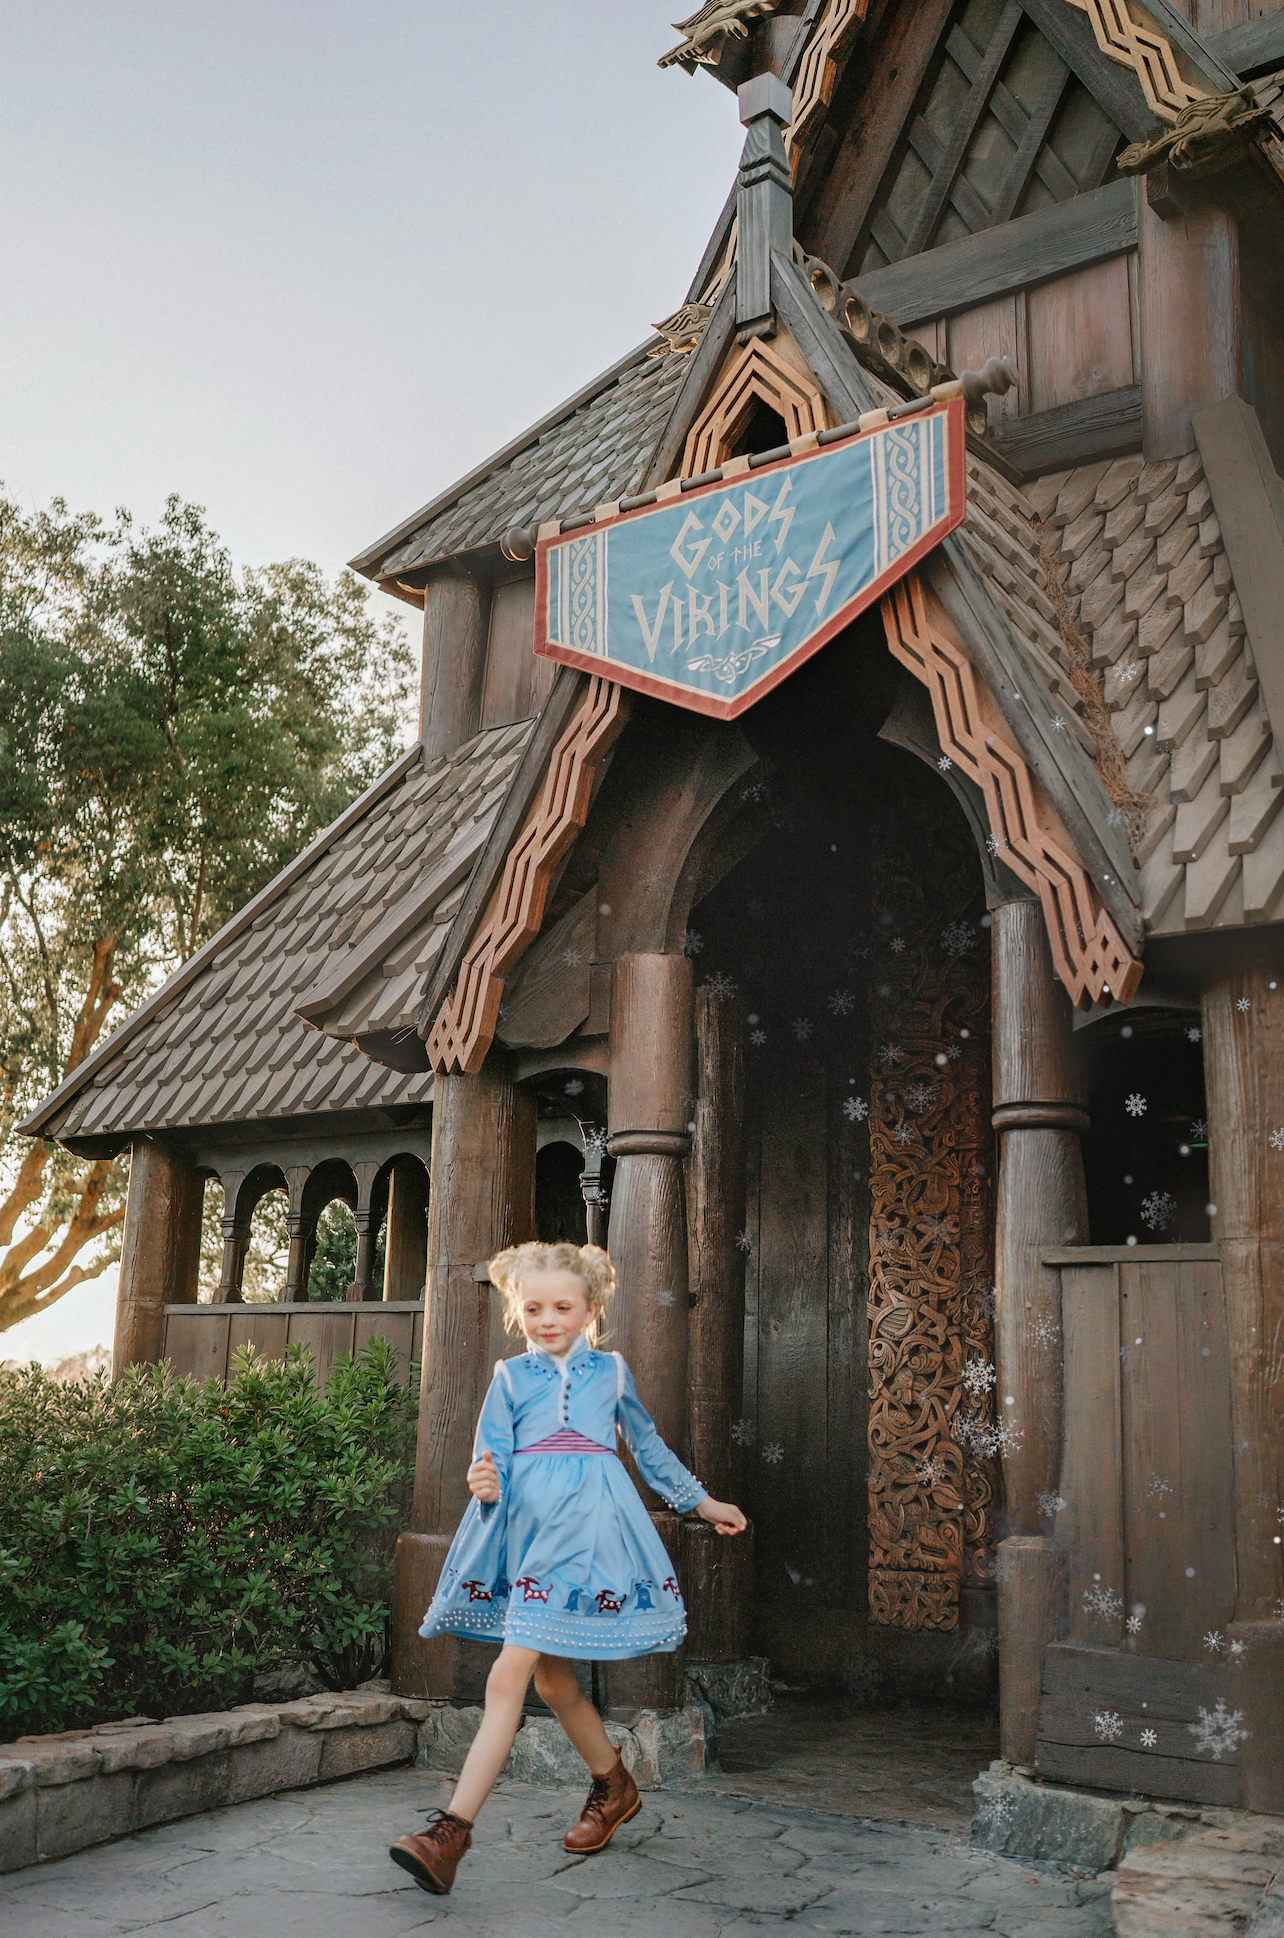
(200, 1340)
(1147, 1525)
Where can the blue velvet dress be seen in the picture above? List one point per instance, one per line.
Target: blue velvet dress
(567, 1560)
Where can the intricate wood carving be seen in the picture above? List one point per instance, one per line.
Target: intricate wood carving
(931, 1432)
(819, 69)
(1088, 952)
(465, 1025)
(681, 332)
(1146, 51)
(1214, 132)
(763, 371)
(707, 31)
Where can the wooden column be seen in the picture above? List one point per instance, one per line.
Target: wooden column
(367, 1217)
(456, 615)
(650, 1078)
(717, 1574)
(236, 1239)
(161, 1251)
(1041, 1203)
(301, 1227)
(405, 1252)
(1244, 1075)
(1188, 308)
(477, 1168)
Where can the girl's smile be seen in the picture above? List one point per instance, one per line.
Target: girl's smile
(554, 1310)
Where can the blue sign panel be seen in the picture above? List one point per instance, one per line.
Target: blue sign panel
(712, 598)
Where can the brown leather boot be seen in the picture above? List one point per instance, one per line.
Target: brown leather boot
(433, 1856)
(612, 1801)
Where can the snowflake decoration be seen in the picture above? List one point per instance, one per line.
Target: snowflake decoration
(954, 1052)
(998, 1810)
(1135, 1105)
(1219, 1732)
(1160, 1485)
(1133, 1625)
(897, 945)
(1049, 1502)
(1108, 1725)
(666, 1296)
(802, 1028)
(945, 763)
(594, 1139)
(978, 1377)
(903, 1135)
(938, 1231)
(1243, 1005)
(888, 1238)
(842, 1003)
(993, 843)
(1159, 1210)
(1115, 817)
(1236, 1651)
(1044, 1333)
(744, 1241)
(1198, 1132)
(692, 943)
(1058, 724)
(572, 958)
(1102, 1600)
(890, 1055)
(773, 1453)
(1214, 1641)
(1194, 1034)
(756, 791)
(744, 1433)
(719, 985)
(1277, 1139)
(757, 1038)
(574, 1088)
(855, 1109)
(930, 1473)
(1004, 1438)
(920, 1097)
(1149, 1737)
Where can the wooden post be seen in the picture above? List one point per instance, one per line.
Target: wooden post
(1041, 1203)
(650, 1076)
(477, 1167)
(717, 1575)
(405, 1252)
(161, 1251)
(236, 1238)
(1244, 1075)
(367, 1217)
(456, 614)
(1188, 305)
(302, 1231)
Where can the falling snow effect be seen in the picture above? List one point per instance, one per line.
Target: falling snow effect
(897, 945)
(719, 986)
(1219, 1732)
(930, 1472)
(1044, 1333)
(920, 1097)
(757, 1038)
(802, 1027)
(890, 1055)
(842, 1003)
(574, 1088)
(1133, 1625)
(903, 1135)
(978, 1377)
(938, 1231)
(1243, 1005)
(1049, 1502)
(1159, 1210)
(1198, 1132)
(744, 1241)
(773, 1453)
(855, 1109)
(744, 1433)
(1215, 1641)
(666, 1297)
(1149, 1737)
(1135, 1105)
(958, 938)
(692, 943)
(1160, 1486)
(1102, 1600)
(1194, 1034)
(1108, 1725)
(1277, 1139)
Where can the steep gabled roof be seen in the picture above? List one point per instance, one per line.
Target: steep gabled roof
(223, 1042)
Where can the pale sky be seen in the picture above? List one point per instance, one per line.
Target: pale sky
(306, 263)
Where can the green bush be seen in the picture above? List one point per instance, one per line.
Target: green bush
(162, 1541)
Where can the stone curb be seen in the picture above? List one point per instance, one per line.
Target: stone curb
(658, 1746)
(59, 1794)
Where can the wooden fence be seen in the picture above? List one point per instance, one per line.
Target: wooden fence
(201, 1339)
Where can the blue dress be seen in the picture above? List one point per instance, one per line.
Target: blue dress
(567, 1560)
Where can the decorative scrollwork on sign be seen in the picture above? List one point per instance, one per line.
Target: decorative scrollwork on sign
(931, 1482)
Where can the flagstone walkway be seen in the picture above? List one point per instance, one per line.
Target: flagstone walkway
(694, 1864)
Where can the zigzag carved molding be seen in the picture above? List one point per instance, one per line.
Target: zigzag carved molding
(1146, 51)
(465, 1025)
(1088, 952)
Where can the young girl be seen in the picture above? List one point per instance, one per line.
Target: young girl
(556, 1558)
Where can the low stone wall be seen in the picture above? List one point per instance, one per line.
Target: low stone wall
(1017, 1817)
(59, 1794)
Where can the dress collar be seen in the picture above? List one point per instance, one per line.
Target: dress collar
(562, 1366)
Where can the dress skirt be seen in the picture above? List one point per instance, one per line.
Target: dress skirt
(567, 1561)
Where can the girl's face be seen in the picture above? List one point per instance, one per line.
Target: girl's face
(554, 1310)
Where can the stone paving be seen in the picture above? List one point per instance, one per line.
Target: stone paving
(693, 1864)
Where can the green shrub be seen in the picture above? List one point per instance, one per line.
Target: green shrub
(161, 1541)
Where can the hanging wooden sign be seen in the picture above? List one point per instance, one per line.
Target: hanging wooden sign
(710, 597)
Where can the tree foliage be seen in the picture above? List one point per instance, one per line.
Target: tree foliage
(172, 732)
(164, 1540)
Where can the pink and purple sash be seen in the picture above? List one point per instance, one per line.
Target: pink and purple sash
(566, 1440)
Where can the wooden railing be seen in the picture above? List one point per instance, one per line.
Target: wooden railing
(201, 1339)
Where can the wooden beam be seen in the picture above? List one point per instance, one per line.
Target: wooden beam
(1028, 250)
(899, 66)
(1091, 427)
(160, 1251)
(1115, 88)
(1249, 500)
(1029, 142)
(1188, 303)
(965, 122)
(1254, 48)
(822, 343)
(1202, 56)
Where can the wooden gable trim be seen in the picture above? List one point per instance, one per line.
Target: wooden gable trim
(1248, 499)
(1088, 952)
(464, 1028)
(1115, 87)
(774, 372)
(1030, 249)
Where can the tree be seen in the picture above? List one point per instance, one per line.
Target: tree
(172, 732)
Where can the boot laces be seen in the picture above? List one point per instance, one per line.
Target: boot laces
(442, 1825)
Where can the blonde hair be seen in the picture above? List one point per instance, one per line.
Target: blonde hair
(509, 1270)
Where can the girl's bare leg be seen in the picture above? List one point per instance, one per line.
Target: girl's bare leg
(505, 1693)
(556, 1685)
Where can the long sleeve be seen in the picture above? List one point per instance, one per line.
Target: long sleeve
(659, 1467)
(495, 1431)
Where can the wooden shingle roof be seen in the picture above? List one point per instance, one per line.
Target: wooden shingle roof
(223, 1042)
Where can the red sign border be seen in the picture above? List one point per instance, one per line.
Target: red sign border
(954, 413)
